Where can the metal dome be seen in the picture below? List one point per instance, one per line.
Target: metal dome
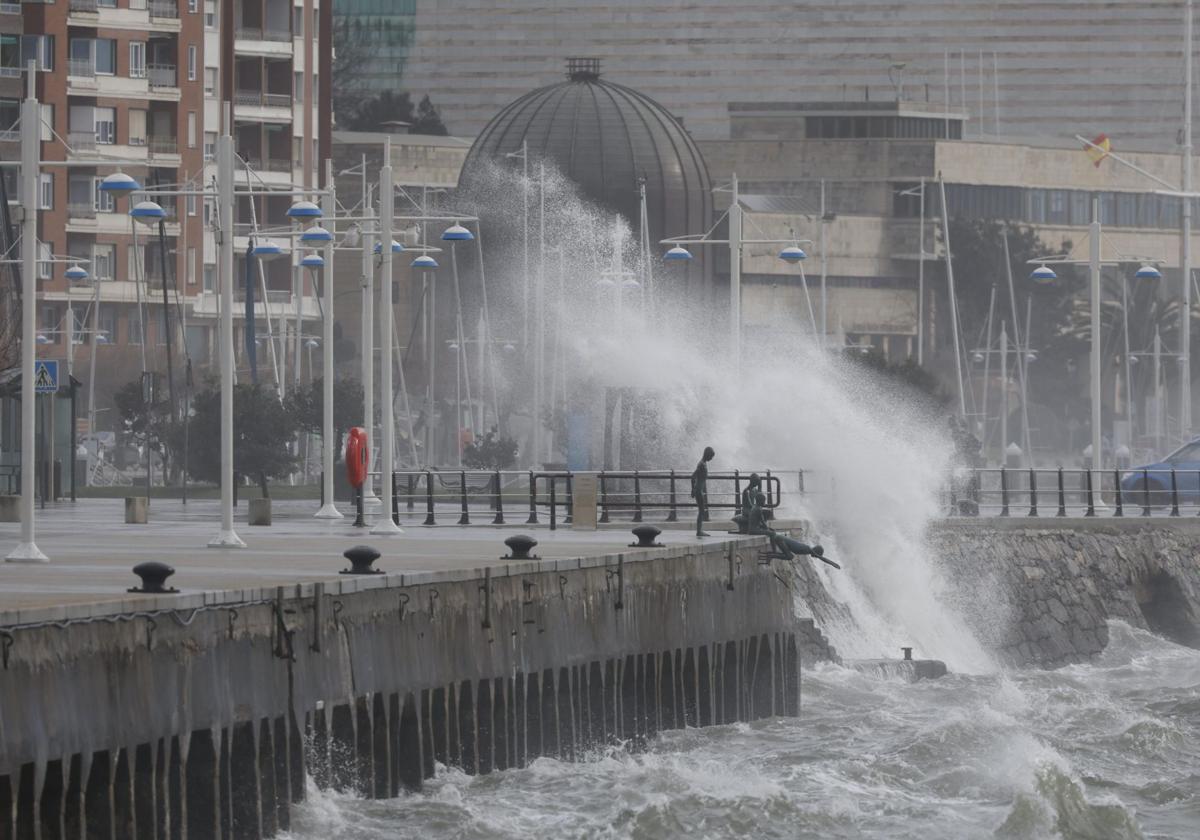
(606, 137)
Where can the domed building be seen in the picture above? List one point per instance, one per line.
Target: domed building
(606, 138)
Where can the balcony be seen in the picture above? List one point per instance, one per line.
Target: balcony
(258, 33)
(162, 75)
(163, 146)
(258, 99)
(84, 7)
(81, 210)
(10, 8)
(81, 68)
(164, 10)
(82, 141)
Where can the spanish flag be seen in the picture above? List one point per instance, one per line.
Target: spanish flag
(1099, 149)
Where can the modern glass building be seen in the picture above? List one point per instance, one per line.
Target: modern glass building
(383, 31)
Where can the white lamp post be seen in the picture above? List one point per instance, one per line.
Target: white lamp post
(387, 199)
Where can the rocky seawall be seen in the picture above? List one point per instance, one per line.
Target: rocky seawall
(1040, 591)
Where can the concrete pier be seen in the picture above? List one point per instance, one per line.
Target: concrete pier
(200, 714)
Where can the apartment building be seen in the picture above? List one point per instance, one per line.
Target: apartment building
(138, 81)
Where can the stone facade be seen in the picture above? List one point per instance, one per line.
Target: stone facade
(1042, 591)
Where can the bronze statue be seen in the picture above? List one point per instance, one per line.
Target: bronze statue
(700, 489)
(784, 546)
(743, 517)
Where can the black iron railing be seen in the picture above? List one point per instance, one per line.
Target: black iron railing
(1008, 492)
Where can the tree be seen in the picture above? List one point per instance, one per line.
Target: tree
(428, 121)
(262, 430)
(490, 452)
(147, 423)
(306, 406)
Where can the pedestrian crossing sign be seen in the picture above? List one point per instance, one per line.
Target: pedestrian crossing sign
(45, 376)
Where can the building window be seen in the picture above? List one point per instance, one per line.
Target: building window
(103, 201)
(48, 324)
(191, 130)
(135, 326)
(191, 266)
(103, 260)
(193, 6)
(210, 278)
(15, 50)
(137, 59)
(106, 56)
(46, 191)
(1056, 207)
(106, 125)
(208, 211)
(210, 81)
(191, 63)
(108, 325)
(210, 145)
(297, 21)
(107, 4)
(79, 195)
(137, 127)
(45, 266)
(47, 122)
(191, 205)
(10, 118)
(1126, 209)
(298, 91)
(210, 14)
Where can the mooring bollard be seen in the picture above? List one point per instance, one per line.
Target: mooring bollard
(361, 558)
(1118, 496)
(1033, 511)
(647, 536)
(1003, 492)
(1145, 493)
(603, 499)
(519, 546)
(532, 520)
(465, 517)
(154, 577)
(1091, 496)
(1062, 495)
(673, 514)
(429, 517)
(907, 651)
(553, 504)
(637, 497)
(499, 500)
(1174, 494)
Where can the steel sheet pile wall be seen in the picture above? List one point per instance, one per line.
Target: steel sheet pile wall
(203, 724)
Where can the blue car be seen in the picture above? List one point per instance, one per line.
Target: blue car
(1156, 478)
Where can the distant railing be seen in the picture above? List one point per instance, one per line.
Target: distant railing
(81, 67)
(10, 72)
(77, 210)
(629, 495)
(84, 6)
(163, 146)
(277, 100)
(164, 9)
(258, 33)
(10, 8)
(8, 135)
(161, 75)
(1073, 492)
(258, 99)
(82, 141)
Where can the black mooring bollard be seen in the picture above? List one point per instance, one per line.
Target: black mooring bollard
(429, 517)
(533, 519)
(359, 522)
(1062, 495)
(907, 651)
(464, 518)
(154, 577)
(1003, 492)
(1033, 511)
(673, 514)
(1118, 496)
(1091, 496)
(637, 497)
(647, 536)
(361, 558)
(519, 546)
(1174, 494)
(499, 500)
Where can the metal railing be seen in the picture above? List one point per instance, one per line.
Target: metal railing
(163, 145)
(82, 67)
(10, 72)
(10, 8)
(258, 33)
(79, 210)
(632, 496)
(161, 75)
(82, 141)
(260, 99)
(84, 6)
(164, 9)
(1073, 492)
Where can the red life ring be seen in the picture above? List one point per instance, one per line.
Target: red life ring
(357, 453)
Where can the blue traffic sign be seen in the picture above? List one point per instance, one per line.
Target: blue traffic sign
(45, 376)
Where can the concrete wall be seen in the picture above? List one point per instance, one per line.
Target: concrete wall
(1042, 590)
(200, 715)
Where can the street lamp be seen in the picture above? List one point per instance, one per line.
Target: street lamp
(387, 211)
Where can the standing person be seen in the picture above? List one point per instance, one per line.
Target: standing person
(700, 489)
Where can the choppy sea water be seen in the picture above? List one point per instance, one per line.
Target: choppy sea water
(1109, 749)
